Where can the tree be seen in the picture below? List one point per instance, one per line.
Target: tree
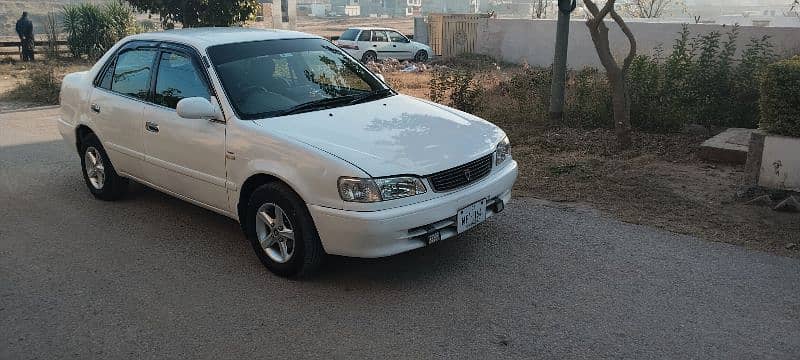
(649, 8)
(540, 8)
(616, 74)
(195, 13)
(794, 10)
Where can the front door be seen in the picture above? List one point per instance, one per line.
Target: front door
(399, 45)
(185, 156)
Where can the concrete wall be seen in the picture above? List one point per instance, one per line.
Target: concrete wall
(518, 40)
(780, 163)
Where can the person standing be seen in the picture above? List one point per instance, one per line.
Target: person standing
(25, 32)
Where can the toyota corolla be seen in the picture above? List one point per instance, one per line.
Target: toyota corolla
(289, 135)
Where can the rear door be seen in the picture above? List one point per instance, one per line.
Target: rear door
(117, 104)
(185, 156)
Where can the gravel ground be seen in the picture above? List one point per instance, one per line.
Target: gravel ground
(154, 277)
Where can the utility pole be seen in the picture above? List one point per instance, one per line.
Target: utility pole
(565, 7)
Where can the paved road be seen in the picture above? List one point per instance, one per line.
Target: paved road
(153, 277)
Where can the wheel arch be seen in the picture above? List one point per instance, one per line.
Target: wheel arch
(81, 131)
(251, 184)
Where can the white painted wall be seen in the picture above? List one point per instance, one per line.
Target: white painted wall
(780, 163)
(518, 40)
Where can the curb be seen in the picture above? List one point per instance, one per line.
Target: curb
(47, 107)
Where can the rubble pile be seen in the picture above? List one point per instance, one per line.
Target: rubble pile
(393, 65)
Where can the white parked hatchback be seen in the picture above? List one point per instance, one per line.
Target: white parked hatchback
(287, 134)
(372, 44)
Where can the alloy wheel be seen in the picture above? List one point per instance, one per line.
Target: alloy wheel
(275, 232)
(95, 170)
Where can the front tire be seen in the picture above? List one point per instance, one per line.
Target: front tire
(282, 232)
(421, 56)
(98, 172)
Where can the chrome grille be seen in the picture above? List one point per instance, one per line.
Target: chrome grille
(461, 175)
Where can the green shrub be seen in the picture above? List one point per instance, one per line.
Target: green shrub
(780, 98)
(456, 88)
(699, 82)
(42, 87)
(589, 100)
(530, 91)
(92, 29)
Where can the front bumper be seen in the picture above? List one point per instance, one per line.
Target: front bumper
(387, 232)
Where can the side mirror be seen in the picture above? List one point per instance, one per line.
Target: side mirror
(380, 76)
(197, 108)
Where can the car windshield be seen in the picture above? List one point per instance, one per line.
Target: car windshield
(280, 77)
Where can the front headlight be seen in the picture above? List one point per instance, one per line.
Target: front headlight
(379, 189)
(502, 152)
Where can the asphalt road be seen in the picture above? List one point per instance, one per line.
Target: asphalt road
(154, 277)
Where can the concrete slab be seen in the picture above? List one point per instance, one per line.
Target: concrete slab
(730, 146)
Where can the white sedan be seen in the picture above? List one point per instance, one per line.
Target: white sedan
(373, 44)
(287, 134)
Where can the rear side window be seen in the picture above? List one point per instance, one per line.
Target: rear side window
(365, 35)
(132, 73)
(349, 34)
(178, 79)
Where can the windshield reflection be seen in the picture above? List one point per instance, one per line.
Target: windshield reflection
(269, 78)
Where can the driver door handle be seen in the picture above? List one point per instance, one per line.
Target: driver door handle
(151, 127)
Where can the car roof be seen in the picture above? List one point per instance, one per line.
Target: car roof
(206, 37)
(371, 28)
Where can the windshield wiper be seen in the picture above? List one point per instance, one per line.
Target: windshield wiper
(316, 105)
(372, 95)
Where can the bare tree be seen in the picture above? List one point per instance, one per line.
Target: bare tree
(794, 10)
(540, 9)
(649, 8)
(616, 73)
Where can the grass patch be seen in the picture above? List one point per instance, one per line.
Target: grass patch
(41, 87)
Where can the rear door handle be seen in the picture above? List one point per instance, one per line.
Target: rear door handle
(95, 108)
(151, 127)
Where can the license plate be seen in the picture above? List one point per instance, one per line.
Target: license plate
(471, 215)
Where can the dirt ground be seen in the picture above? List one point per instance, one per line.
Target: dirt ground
(660, 182)
(12, 74)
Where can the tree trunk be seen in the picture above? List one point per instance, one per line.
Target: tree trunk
(621, 105)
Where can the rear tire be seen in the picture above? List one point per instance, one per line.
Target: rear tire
(98, 172)
(369, 56)
(282, 232)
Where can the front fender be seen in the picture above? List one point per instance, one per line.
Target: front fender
(310, 172)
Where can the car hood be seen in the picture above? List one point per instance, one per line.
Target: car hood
(393, 136)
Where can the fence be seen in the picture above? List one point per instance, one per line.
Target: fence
(453, 34)
(12, 48)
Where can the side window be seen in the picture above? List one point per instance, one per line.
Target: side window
(132, 73)
(379, 36)
(365, 35)
(178, 79)
(105, 80)
(395, 36)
